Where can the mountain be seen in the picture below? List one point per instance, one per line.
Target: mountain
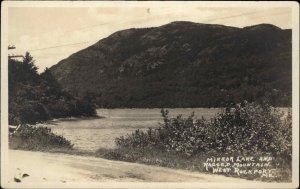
(183, 64)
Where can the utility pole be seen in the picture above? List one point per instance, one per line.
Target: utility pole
(10, 56)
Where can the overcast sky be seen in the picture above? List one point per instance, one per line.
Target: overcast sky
(52, 34)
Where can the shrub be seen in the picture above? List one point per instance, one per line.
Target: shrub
(244, 129)
(252, 128)
(37, 138)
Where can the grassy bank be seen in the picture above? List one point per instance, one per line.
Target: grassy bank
(33, 138)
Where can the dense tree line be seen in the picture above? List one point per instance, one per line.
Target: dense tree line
(37, 97)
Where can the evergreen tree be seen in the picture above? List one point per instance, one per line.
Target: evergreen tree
(34, 98)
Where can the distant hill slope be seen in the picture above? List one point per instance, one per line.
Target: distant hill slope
(183, 64)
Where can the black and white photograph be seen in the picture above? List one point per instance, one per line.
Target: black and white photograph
(138, 94)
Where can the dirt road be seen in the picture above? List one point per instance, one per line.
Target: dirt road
(62, 168)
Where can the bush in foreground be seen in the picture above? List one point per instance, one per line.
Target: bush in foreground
(37, 139)
(246, 129)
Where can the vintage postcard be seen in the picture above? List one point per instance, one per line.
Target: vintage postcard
(129, 94)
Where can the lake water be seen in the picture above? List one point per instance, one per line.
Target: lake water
(92, 134)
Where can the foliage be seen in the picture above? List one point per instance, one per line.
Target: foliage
(245, 129)
(35, 98)
(37, 138)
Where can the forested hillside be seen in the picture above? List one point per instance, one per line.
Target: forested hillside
(37, 97)
(183, 64)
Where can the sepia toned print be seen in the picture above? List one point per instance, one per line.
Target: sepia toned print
(149, 94)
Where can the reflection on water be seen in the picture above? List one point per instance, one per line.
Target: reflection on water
(91, 134)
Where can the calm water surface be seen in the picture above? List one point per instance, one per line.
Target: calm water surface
(91, 134)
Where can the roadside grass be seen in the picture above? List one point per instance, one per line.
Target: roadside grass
(152, 157)
(194, 163)
(33, 138)
(42, 139)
